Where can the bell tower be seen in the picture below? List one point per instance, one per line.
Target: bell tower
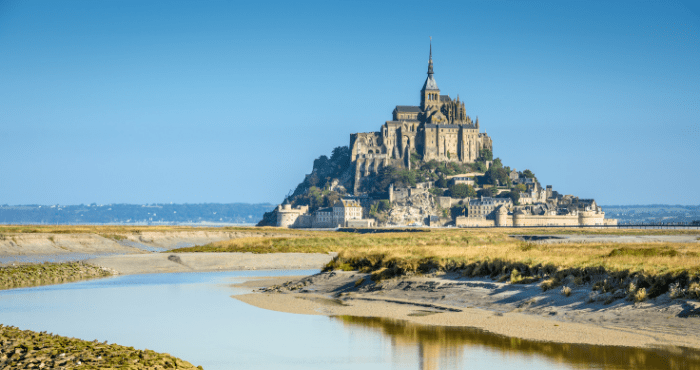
(430, 93)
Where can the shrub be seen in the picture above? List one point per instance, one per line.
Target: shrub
(566, 291)
(641, 295)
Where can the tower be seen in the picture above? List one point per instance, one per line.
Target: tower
(430, 93)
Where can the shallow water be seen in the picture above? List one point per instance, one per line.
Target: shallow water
(192, 316)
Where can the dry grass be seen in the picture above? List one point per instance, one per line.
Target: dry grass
(48, 273)
(652, 266)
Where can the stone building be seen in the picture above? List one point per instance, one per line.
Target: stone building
(345, 210)
(292, 217)
(323, 218)
(485, 206)
(344, 213)
(570, 212)
(439, 128)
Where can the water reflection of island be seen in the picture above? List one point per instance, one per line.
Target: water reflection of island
(439, 344)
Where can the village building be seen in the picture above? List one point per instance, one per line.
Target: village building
(344, 213)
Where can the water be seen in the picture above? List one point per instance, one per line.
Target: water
(192, 316)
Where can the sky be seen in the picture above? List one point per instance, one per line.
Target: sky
(120, 101)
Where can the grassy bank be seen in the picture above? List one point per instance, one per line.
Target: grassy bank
(25, 349)
(637, 270)
(48, 273)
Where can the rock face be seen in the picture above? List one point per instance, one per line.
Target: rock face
(413, 210)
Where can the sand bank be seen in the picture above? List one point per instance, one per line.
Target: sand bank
(201, 262)
(522, 311)
(28, 244)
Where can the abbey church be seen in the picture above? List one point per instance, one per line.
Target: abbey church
(438, 129)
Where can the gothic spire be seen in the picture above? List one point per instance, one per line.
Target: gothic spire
(430, 63)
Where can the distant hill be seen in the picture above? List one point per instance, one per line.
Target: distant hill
(153, 214)
(652, 213)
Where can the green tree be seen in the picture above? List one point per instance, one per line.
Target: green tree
(521, 188)
(458, 191)
(528, 174)
(485, 154)
(462, 191)
(514, 195)
(436, 192)
(384, 205)
(441, 182)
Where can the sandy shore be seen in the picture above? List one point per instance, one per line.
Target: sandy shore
(201, 262)
(38, 244)
(522, 311)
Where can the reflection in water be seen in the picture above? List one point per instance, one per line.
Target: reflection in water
(438, 345)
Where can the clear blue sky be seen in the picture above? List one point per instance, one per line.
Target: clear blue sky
(223, 101)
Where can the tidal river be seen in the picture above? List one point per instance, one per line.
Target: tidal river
(192, 316)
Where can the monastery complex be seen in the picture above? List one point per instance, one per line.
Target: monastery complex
(440, 130)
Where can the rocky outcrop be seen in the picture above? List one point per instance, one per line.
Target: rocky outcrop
(414, 210)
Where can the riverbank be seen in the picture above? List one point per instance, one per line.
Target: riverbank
(515, 310)
(32, 243)
(26, 349)
(28, 275)
(206, 262)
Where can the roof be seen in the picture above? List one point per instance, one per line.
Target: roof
(445, 98)
(408, 108)
(430, 83)
(329, 209)
(432, 125)
(347, 203)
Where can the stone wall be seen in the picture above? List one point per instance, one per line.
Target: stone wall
(545, 220)
(474, 222)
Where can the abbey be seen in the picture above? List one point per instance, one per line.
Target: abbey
(437, 129)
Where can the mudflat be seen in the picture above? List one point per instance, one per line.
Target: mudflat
(202, 262)
(522, 311)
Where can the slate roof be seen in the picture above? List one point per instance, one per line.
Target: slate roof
(408, 108)
(430, 83)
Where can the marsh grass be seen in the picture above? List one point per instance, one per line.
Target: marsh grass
(48, 273)
(25, 349)
(493, 253)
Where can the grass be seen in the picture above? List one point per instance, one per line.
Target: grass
(22, 349)
(608, 267)
(652, 266)
(48, 273)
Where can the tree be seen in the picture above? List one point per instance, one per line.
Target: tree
(514, 195)
(384, 205)
(497, 163)
(521, 188)
(441, 182)
(458, 191)
(496, 175)
(462, 191)
(436, 192)
(485, 154)
(487, 192)
(528, 174)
